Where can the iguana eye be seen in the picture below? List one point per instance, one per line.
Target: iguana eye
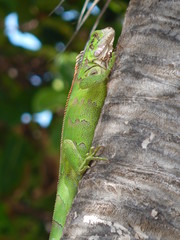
(91, 47)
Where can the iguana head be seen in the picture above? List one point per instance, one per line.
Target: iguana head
(98, 51)
(100, 44)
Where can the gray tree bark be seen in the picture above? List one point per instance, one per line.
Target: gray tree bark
(136, 194)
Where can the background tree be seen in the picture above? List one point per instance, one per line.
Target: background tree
(136, 195)
(34, 82)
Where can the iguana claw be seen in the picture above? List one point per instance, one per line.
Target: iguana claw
(91, 156)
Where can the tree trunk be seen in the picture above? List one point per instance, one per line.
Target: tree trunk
(135, 195)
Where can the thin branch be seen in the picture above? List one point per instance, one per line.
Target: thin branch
(87, 14)
(83, 17)
(82, 11)
(82, 22)
(100, 15)
(58, 6)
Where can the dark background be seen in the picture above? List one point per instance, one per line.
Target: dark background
(34, 82)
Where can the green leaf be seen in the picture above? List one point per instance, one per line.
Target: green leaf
(48, 98)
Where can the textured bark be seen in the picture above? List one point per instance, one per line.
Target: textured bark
(136, 194)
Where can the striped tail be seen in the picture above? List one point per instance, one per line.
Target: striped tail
(67, 189)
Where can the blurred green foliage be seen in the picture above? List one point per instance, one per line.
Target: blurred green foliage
(29, 153)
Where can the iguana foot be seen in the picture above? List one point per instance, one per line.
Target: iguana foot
(91, 156)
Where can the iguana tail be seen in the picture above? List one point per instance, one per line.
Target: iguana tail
(66, 192)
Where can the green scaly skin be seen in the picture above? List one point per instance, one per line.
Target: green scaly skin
(83, 108)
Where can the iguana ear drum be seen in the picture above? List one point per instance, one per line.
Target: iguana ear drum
(93, 72)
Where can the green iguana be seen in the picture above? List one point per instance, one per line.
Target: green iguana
(83, 108)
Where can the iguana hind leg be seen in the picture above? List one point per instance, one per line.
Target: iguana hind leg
(91, 156)
(74, 158)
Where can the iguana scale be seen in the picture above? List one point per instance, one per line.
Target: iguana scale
(83, 108)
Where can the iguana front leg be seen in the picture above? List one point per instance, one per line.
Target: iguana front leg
(94, 79)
